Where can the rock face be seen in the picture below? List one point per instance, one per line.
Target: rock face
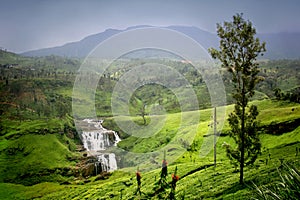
(96, 140)
(88, 170)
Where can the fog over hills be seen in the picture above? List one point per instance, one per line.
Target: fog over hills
(279, 45)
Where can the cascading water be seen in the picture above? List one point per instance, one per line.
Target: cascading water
(96, 140)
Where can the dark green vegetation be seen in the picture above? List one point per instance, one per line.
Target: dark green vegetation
(39, 145)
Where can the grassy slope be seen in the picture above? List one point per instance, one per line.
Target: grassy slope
(31, 148)
(207, 183)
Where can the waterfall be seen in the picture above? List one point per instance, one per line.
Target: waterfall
(96, 140)
(107, 162)
(113, 162)
(117, 138)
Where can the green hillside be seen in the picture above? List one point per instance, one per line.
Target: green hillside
(41, 155)
(199, 178)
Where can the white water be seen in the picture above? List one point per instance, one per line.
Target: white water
(96, 141)
(107, 162)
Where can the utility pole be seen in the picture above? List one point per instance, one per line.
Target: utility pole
(215, 137)
(214, 124)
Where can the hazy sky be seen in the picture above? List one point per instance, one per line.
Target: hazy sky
(33, 24)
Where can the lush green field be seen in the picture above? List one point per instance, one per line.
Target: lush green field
(199, 179)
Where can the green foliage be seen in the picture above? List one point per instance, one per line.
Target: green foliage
(287, 187)
(252, 145)
(293, 95)
(282, 74)
(238, 52)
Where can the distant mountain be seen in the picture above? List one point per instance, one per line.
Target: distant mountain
(279, 45)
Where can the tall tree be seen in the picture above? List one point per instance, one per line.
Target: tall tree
(238, 52)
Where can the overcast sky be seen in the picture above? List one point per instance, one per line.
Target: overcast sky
(33, 24)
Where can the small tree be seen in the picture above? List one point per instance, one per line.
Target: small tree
(238, 52)
(143, 113)
(278, 93)
(140, 108)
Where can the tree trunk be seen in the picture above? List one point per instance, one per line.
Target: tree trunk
(242, 137)
(144, 119)
(242, 151)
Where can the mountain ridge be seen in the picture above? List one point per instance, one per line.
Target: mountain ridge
(283, 45)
